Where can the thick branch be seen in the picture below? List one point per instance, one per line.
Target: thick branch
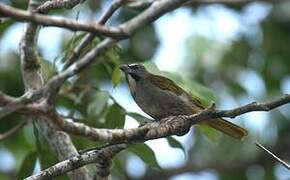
(168, 126)
(174, 125)
(60, 22)
(5, 99)
(93, 156)
(33, 80)
(156, 10)
(11, 104)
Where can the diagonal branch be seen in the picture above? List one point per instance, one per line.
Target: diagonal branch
(10, 105)
(93, 156)
(122, 31)
(89, 37)
(153, 12)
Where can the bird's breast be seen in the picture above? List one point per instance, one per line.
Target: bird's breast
(131, 83)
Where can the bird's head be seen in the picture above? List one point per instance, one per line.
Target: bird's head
(136, 71)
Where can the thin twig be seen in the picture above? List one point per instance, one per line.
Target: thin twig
(272, 155)
(116, 4)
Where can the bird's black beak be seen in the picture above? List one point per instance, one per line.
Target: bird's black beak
(125, 68)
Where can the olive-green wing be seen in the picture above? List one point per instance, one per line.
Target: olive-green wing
(167, 84)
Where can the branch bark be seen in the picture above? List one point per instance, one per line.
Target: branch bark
(93, 156)
(178, 125)
(174, 125)
(89, 37)
(44, 111)
(33, 80)
(122, 31)
(60, 22)
(57, 4)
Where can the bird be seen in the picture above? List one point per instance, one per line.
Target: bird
(160, 97)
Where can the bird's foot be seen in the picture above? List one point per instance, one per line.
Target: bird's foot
(142, 124)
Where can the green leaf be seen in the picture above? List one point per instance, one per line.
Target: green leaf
(119, 165)
(98, 104)
(47, 68)
(116, 76)
(47, 158)
(175, 144)
(4, 176)
(210, 133)
(138, 117)
(5, 26)
(27, 166)
(145, 153)
(115, 117)
(205, 94)
(67, 100)
(113, 54)
(151, 67)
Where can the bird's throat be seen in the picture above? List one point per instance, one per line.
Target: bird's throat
(131, 82)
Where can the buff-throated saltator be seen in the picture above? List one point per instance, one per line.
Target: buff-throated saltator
(160, 97)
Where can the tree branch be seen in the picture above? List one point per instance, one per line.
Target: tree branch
(33, 80)
(57, 4)
(273, 155)
(89, 37)
(169, 126)
(254, 106)
(11, 104)
(281, 147)
(156, 10)
(60, 22)
(93, 156)
(174, 125)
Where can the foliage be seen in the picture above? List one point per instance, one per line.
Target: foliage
(87, 98)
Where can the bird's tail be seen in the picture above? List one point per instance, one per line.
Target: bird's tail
(228, 128)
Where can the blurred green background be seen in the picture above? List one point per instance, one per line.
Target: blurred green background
(233, 54)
